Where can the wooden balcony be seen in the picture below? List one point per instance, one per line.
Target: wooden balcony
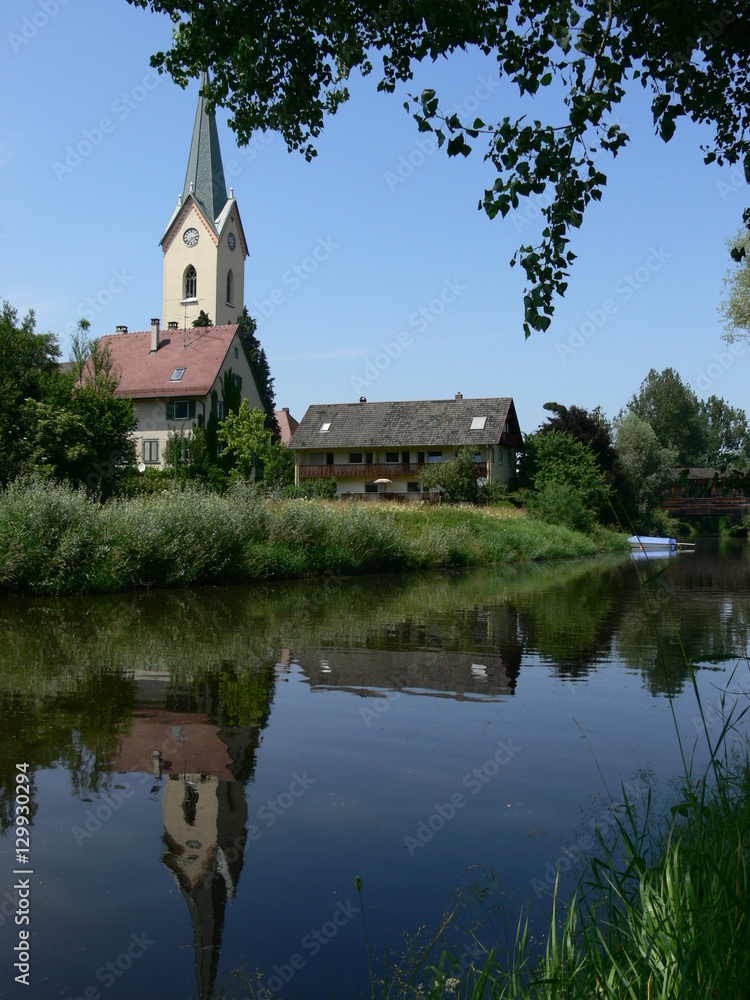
(371, 471)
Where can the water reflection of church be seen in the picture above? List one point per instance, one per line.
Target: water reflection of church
(200, 758)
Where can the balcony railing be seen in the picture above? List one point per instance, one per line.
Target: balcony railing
(371, 471)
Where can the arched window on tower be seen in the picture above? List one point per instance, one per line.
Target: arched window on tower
(230, 288)
(191, 283)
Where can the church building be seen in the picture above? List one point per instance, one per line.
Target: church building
(174, 372)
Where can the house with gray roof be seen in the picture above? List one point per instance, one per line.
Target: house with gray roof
(382, 447)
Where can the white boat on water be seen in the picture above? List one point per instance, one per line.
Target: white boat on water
(650, 547)
(646, 543)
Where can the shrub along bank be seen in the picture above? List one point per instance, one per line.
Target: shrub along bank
(55, 540)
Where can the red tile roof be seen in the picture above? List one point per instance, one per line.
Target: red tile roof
(287, 424)
(144, 375)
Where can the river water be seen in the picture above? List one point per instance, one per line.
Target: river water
(209, 770)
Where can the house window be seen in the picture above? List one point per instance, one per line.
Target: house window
(391, 456)
(177, 374)
(477, 423)
(435, 456)
(237, 379)
(371, 487)
(413, 488)
(477, 456)
(329, 458)
(368, 457)
(220, 414)
(499, 456)
(236, 352)
(150, 453)
(355, 458)
(316, 458)
(191, 283)
(180, 409)
(420, 458)
(325, 427)
(230, 288)
(405, 457)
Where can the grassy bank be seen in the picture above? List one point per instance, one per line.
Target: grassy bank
(54, 540)
(661, 913)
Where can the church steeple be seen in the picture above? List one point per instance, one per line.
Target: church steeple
(205, 174)
(204, 244)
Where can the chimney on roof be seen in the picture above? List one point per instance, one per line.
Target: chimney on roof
(121, 329)
(459, 395)
(172, 324)
(154, 336)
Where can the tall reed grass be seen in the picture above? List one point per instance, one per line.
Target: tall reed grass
(661, 910)
(56, 540)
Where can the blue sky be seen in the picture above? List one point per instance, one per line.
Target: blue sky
(371, 271)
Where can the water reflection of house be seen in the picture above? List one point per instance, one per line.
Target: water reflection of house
(201, 765)
(433, 672)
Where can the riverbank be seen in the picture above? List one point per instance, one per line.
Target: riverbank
(660, 910)
(54, 540)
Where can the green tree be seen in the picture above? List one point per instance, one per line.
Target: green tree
(245, 435)
(110, 419)
(673, 411)
(259, 367)
(458, 477)
(278, 467)
(735, 306)
(590, 428)
(727, 436)
(647, 470)
(203, 319)
(28, 374)
(564, 480)
(284, 67)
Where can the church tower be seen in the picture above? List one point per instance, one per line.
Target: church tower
(204, 243)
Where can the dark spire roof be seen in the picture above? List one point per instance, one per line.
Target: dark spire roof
(205, 171)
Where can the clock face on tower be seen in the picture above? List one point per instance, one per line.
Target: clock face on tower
(190, 237)
(231, 241)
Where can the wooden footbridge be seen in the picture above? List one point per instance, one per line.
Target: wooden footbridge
(710, 493)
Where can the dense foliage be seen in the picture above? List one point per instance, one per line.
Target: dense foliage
(54, 539)
(284, 66)
(67, 425)
(457, 477)
(566, 483)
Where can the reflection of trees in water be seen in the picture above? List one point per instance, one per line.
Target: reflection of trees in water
(77, 730)
(65, 663)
